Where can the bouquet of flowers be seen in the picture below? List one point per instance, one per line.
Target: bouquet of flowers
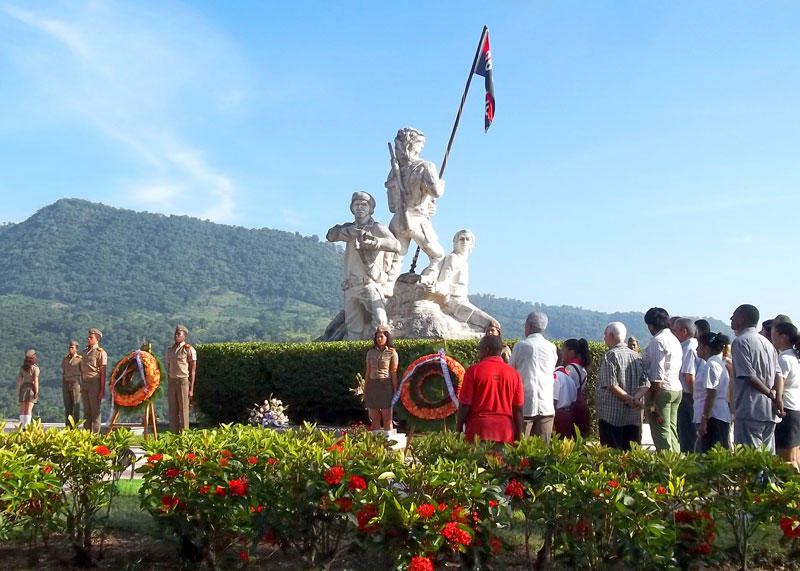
(358, 390)
(270, 414)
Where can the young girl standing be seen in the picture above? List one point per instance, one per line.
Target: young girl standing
(381, 379)
(787, 431)
(27, 387)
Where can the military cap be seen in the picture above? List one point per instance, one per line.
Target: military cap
(182, 328)
(781, 318)
(74, 343)
(361, 195)
(96, 332)
(30, 353)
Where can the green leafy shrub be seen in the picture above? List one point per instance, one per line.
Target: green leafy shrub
(84, 465)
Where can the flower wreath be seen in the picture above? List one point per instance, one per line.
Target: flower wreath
(136, 379)
(412, 392)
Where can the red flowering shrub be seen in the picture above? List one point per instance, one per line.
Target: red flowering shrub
(420, 564)
(238, 486)
(172, 473)
(790, 527)
(515, 489)
(345, 504)
(426, 511)
(455, 534)
(357, 483)
(365, 518)
(102, 450)
(334, 475)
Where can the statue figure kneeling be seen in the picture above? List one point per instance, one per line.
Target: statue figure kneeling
(450, 287)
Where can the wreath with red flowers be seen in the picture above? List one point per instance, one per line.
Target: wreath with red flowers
(130, 390)
(424, 394)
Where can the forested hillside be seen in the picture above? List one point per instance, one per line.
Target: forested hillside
(76, 264)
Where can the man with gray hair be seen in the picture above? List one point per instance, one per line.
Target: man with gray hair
(535, 359)
(685, 330)
(621, 384)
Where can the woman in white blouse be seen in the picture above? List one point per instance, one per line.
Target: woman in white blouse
(712, 415)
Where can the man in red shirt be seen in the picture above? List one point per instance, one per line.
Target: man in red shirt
(491, 397)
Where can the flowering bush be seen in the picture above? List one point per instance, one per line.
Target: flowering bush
(81, 466)
(270, 414)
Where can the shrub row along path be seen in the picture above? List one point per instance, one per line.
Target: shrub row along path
(130, 472)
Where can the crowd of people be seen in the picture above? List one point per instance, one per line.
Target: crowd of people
(691, 384)
(83, 381)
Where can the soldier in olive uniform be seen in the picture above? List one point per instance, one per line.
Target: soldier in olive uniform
(93, 386)
(71, 384)
(181, 361)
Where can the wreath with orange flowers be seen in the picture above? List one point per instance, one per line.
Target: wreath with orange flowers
(136, 379)
(424, 393)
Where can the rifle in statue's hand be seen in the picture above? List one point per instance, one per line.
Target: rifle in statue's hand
(396, 192)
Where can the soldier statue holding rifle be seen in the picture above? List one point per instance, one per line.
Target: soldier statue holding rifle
(412, 186)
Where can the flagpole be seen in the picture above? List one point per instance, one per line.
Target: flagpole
(463, 100)
(455, 125)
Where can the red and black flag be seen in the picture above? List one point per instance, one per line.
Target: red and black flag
(484, 69)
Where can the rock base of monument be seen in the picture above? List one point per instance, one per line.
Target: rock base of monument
(412, 315)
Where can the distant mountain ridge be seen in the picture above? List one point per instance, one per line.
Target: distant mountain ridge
(76, 264)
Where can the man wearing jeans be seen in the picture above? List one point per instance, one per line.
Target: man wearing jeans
(535, 358)
(757, 384)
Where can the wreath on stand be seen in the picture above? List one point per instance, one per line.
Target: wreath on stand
(136, 380)
(428, 392)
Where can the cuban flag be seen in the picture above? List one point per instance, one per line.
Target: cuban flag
(484, 69)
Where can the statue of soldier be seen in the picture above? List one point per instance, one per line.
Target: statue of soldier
(412, 186)
(364, 266)
(450, 288)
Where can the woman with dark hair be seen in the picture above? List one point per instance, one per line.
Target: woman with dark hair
(27, 387)
(633, 343)
(787, 431)
(570, 379)
(712, 413)
(381, 379)
(494, 329)
(662, 359)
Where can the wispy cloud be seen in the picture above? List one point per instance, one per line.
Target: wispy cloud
(144, 77)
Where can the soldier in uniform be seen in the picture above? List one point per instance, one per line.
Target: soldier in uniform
(412, 186)
(181, 361)
(27, 387)
(93, 386)
(71, 384)
(368, 242)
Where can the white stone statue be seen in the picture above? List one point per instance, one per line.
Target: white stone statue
(450, 287)
(368, 242)
(412, 186)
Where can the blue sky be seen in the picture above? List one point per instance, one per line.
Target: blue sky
(643, 153)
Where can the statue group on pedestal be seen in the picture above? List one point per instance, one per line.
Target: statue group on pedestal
(374, 253)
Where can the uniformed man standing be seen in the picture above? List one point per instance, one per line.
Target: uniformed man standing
(93, 386)
(71, 384)
(181, 362)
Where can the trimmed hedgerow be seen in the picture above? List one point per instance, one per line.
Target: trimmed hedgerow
(313, 379)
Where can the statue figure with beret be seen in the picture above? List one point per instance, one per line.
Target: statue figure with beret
(93, 373)
(181, 359)
(412, 186)
(365, 265)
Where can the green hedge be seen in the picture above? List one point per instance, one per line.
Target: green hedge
(313, 379)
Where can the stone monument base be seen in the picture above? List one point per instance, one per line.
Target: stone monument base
(412, 315)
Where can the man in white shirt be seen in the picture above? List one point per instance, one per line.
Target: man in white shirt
(685, 330)
(535, 359)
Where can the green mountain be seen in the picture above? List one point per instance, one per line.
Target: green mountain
(135, 275)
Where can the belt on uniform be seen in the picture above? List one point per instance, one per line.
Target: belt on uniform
(355, 281)
(171, 379)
